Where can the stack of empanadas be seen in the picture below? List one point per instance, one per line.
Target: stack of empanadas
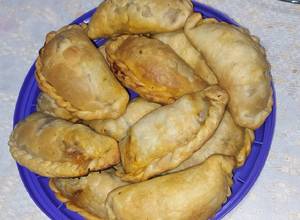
(204, 86)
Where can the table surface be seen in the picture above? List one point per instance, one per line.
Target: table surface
(23, 25)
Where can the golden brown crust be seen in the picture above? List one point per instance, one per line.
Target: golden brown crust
(47, 105)
(246, 149)
(244, 74)
(117, 128)
(152, 69)
(69, 204)
(86, 195)
(114, 17)
(182, 46)
(195, 193)
(171, 134)
(86, 88)
(229, 139)
(56, 148)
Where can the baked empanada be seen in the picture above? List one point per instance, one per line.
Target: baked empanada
(47, 105)
(117, 128)
(164, 138)
(73, 72)
(57, 148)
(240, 64)
(86, 195)
(152, 69)
(229, 139)
(182, 46)
(114, 17)
(195, 193)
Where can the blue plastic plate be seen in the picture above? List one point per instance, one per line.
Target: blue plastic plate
(244, 177)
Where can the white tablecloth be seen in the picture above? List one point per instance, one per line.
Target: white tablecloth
(23, 25)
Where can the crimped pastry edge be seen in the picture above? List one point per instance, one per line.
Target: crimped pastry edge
(51, 91)
(87, 215)
(129, 79)
(146, 172)
(197, 19)
(58, 169)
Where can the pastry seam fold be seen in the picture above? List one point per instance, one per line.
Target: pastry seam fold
(215, 113)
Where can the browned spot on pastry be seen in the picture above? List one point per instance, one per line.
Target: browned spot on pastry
(73, 151)
(62, 40)
(76, 155)
(75, 196)
(172, 14)
(147, 12)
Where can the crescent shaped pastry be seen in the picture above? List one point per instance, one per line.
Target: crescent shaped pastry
(152, 69)
(117, 128)
(229, 139)
(195, 193)
(115, 17)
(86, 195)
(73, 72)
(54, 147)
(240, 64)
(164, 138)
(182, 46)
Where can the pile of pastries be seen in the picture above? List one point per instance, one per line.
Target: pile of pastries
(204, 87)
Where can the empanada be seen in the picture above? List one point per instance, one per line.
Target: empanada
(195, 193)
(152, 69)
(86, 195)
(71, 70)
(164, 138)
(117, 128)
(240, 64)
(114, 17)
(182, 46)
(47, 105)
(229, 139)
(57, 148)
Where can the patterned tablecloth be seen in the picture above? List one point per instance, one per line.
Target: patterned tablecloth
(23, 25)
